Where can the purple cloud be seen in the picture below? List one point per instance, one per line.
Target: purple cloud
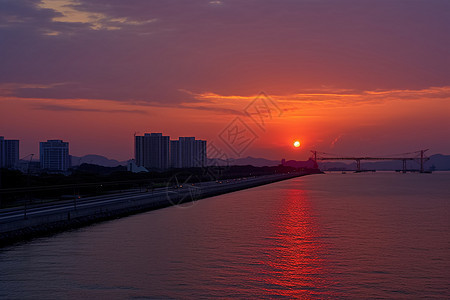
(149, 50)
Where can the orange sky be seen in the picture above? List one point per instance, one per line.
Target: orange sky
(325, 122)
(347, 77)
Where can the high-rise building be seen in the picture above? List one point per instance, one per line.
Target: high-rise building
(156, 152)
(54, 155)
(9, 153)
(187, 152)
(200, 153)
(152, 151)
(175, 154)
(187, 146)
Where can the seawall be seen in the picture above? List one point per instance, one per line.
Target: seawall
(31, 226)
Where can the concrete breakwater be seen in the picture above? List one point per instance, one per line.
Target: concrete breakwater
(20, 225)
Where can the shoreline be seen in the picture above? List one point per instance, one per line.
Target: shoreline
(25, 227)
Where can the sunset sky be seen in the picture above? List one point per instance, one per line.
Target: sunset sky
(352, 77)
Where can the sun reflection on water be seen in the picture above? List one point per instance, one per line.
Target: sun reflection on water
(296, 263)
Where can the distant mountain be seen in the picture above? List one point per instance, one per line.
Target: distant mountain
(96, 160)
(300, 164)
(438, 162)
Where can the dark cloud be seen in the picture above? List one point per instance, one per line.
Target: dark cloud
(148, 50)
(216, 109)
(59, 108)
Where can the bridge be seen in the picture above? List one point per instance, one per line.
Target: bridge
(418, 156)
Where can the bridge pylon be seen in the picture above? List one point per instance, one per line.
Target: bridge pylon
(423, 159)
(419, 156)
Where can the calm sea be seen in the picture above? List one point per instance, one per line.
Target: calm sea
(351, 236)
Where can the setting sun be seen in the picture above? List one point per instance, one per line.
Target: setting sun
(296, 144)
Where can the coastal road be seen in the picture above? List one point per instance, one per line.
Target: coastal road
(61, 213)
(19, 213)
(66, 206)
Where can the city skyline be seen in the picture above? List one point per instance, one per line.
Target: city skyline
(10, 153)
(192, 68)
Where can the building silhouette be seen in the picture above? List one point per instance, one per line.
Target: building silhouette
(54, 155)
(9, 153)
(200, 158)
(157, 152)
(187, 152)
(152, 151)
(193, 152)
(175, 154)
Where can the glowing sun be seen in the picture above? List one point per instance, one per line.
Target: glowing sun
(296, 144)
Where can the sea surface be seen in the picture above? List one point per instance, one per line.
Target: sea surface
(331, 236)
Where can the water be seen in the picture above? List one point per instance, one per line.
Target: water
(382, 235)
